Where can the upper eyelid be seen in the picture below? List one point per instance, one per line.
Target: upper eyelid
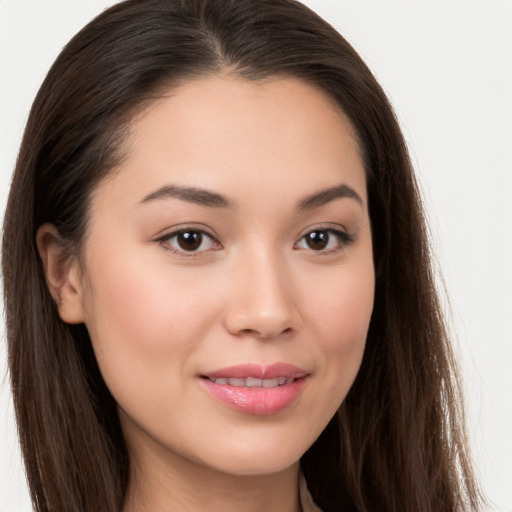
(326, 226)
(345, 236)
(174, 231)
(336, 229)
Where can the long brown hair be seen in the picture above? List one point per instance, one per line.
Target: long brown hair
(397, 442)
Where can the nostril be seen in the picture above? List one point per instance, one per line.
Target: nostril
(272, 335)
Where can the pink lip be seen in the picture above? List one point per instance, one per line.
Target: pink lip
(257, 400)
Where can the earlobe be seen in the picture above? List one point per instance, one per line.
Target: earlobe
(62, 274)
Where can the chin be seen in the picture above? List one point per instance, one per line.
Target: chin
(244, 468)
(252, 460)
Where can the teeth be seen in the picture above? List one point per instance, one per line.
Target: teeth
(252, 382)
(237, 382)
(270, 383)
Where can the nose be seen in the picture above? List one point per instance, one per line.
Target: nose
(262, 302)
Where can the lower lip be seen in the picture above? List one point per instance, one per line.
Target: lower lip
(257, 401)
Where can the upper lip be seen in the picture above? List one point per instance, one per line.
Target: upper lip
(258, 371)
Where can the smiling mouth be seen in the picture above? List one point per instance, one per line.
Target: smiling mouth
(252, 382)
(256, 389)
(256, 375)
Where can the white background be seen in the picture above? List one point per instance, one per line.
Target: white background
(447, 67)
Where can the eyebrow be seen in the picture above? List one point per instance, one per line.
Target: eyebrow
(327, 195)
(210, 199)
(195, 195)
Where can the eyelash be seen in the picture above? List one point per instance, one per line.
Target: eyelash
(166, 239)
(344, 240)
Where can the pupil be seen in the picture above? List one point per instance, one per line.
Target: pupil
(317, 240)
(190, 240)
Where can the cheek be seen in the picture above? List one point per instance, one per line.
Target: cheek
(146, 301)
(338, 315)
(140, 322)
(342, 310)
(344, 305)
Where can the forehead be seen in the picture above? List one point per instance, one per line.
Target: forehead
(230, 134)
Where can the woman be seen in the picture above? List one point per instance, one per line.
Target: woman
(217, 278)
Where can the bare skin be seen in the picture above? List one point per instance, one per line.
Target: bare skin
(267, 178)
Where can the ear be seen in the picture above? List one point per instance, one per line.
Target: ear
(62, 274)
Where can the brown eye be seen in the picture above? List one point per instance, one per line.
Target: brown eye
(317, 240)
(189, 240)
(325, 240)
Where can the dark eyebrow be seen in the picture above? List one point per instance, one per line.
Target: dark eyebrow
(214, 200)
(192, 195)
(327, 195)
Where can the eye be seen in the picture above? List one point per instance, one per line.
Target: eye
(324, 240)
(189, 241)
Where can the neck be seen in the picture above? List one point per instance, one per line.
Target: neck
(182, 485)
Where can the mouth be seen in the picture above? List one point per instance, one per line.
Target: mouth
(253, 373)
(252, 382)
(256, 389)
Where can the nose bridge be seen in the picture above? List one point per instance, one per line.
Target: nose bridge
(262, 303)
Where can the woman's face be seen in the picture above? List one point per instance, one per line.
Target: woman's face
(227, 280)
